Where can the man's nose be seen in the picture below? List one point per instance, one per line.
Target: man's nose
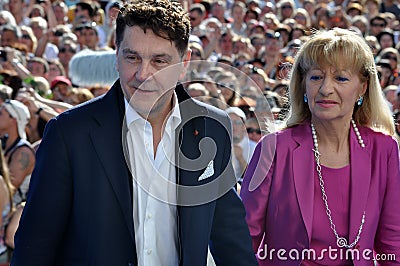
(144, 71)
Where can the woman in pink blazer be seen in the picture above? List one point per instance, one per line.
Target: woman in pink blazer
(325, 190)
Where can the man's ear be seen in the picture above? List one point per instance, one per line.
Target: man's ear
(116, 57)
(185, 62)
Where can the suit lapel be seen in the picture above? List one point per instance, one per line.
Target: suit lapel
(107, 141)
(303, 172)
(189, 133)
(360, 161)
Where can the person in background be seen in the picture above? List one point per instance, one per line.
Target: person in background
(60, 11)
(197, 14)
(6, 205)
(89, 204)
(18, 152)
(330, 179)
(67, 50)
(243, 146)
(253, 129)
(5, 93)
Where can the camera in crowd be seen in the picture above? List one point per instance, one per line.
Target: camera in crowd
(3, 56)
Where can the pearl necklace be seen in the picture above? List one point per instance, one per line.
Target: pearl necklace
(340, 241)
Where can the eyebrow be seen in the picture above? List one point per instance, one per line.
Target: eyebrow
(126, 51)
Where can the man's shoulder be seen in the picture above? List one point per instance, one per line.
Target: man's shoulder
(83, 110)
(196, 108)
(212, 109)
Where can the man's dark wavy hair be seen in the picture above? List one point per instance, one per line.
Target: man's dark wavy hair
(165, 18)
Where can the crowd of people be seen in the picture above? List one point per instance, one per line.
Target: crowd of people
(242, 56)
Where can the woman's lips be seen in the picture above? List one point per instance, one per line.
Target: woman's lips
(326, 103)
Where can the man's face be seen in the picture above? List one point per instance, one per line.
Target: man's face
(90, 37)
(238, 127)
(16, 6)
(195, 18)
(37, 69)
(376, 26)
(37, 30)
(60, 14)
(79, 11)
(66, 53)
(149, 67)
(8, 38)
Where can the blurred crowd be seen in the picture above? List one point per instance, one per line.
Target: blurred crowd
(242, 53)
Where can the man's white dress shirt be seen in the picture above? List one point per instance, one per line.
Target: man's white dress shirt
(154, 178)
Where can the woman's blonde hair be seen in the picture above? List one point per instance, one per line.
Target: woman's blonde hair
(340, 47)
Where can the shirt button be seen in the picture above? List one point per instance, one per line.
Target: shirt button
(149, 216)
(149, 251)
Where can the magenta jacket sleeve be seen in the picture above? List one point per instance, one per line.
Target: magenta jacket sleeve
(256, 187)
(387, 240)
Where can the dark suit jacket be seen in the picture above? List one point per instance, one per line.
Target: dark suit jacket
(79, 207)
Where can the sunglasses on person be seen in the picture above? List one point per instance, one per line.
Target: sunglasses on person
(258, 42)
(286, 7)
(63, 50)
(393, 57)
(378, 25)
(26, 36)
(300, 17)
(227, 85)
(253, 130)
(196, 53)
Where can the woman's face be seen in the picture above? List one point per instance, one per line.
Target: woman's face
(332, 93)
(300, 19)
(196, 54)
(54, 71)
(297, 34)
(386, 41)
(227, 88)
(26, 39)
(392, 59)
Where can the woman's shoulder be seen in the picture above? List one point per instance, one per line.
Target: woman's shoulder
(283, 136)
(378, 139)
(287, 132)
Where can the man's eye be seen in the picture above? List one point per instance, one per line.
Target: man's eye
(133, 57)
(160, 62)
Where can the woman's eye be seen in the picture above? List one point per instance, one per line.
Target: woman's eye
(342, 79)
(315, 77)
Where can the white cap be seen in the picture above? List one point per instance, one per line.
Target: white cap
(237, 111)
(20, 112)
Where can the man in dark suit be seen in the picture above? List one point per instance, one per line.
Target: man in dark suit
(141, 176)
